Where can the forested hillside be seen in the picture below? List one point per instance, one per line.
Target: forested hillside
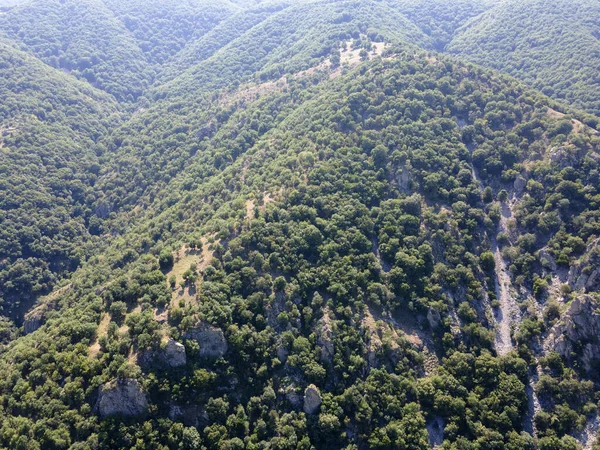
(552, 45)
(50, 125)
(294, 225)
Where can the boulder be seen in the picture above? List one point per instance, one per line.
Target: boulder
(282, 353)
(33, 320)
(519, 185)
(545, 255)
(292, 396)
(189, 415)
(433, 317)
(584, 274)
(312, 399)
(173, 354)
(123, 397)
(578, 328)
(210, 339)
(325, 338)
(36, 317)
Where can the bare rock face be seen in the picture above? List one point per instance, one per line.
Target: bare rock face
(579, 325)
(33, 320)
(325, 338)
(292, 396)
(36, 317)
(546, 257)
(173, 354)
(585, 273)
(124, 397)
(190, 415)
(433, 317)
(519, 185)
(564, 156)
(312, 399)
(211, 340)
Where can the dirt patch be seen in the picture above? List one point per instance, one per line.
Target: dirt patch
(250, 205)
(102, 331)
(251, 92)
(184, 258)
(578, 126)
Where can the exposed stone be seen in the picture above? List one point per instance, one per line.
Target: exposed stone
(580, 324)
(519, 185)
(325, 337)
(173, 354)
(190, 415)
(433, 317)
(33, 320)
(312, 399)
(210, 339)
(124, 397)
(282, 353)
(564, 156)
(545, 255)
(36, 317)
(292, 396)
(403, 178)
(275, 308)
(584, 274)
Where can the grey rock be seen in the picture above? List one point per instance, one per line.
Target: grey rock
(292, 396)
(579, 324)
(210, 339)
(312, 399)
(325, 338)
(433, 317)
(545, 255)
(173, 354)
(519, 185)
(282, 353)
(584, 274)
(124, 397)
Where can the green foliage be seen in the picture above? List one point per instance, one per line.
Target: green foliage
(348, 237)
(560, 57)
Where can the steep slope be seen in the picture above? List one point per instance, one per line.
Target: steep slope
(552, 45)
(330, 212)
(49, 125)
(82, 38)
(291, 41)
(225, 32)
(440, 19)
(161, 28)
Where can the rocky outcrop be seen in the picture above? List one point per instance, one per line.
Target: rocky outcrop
(276, 306)
(565, 156)
(170, 354)
(576, 335)
(312, 399)
(519, 185)
(34, 319)
(547, 259)
(433, 317)
(291, 395)
(173, 354)
(210, 339)
(585, 273)
(190, 415)
(325, 337)
(122, 397)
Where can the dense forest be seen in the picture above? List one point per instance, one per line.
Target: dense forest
(298, 225)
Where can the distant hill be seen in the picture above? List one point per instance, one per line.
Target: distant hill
(552, 45)
(50, 124)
